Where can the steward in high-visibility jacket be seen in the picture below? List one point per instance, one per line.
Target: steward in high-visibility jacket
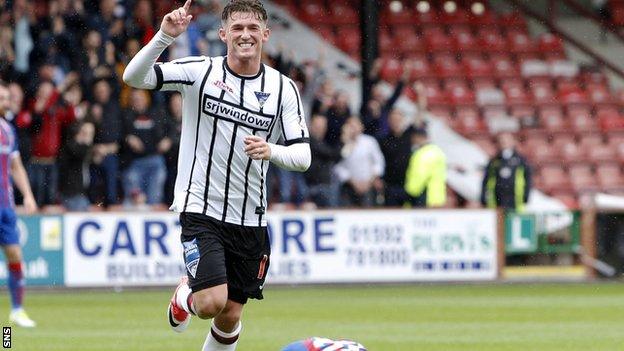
(425, 178)
(507, 178)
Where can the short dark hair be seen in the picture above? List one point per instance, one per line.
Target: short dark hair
(251, 6)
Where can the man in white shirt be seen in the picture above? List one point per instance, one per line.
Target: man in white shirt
(234, 110)
(361, 167)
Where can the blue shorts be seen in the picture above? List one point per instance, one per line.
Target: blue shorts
(8, 227)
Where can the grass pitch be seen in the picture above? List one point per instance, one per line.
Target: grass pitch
(412, 318)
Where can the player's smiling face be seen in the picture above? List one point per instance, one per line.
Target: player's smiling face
(244, 33)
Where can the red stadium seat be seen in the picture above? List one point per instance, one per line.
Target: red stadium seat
(391, 70)
(516, 95)
(553, 122)
(542, 94)
(477, 67)
(425, 19)
(583, 123)
(590, 139)
(609, 175)
(491, 41)
(460, 95)
(343, 14)
(408, 42)
(387, 45)
(479, 83)
(349, 39)
(447, 66)
(504, 67)
(554, 178)
(459, 16)
(314, 13)
(487, 19)
(549, 42)
(420, 67)
(611, 122)
(435, 96)
(602, 153)
(535, 136)
(599, 94)
(465, 42)
(405, 16)
(520, 43)
(572, 95)
(523, 112)
(572, 152)
(512, 20)
(437, 41)
(472, 126)
(462, 112)
(560, 139)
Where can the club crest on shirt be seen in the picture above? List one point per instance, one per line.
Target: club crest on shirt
(221, 85)
(262, 97)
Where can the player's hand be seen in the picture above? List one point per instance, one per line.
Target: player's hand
(175, 22)
(257, 148)
(30, 205)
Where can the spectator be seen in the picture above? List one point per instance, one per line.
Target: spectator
(145, 171)
(323, 188)
(397, 149)
(375, 111)
(73, 161)
(7, 54)
(98, 59)
(50, 116)
(425, 179)
(208, 22)
(131, 48)
(323, 99)
(170, 145)
(141, 25)
(362, 166)
(507, 177)
(19, 116)
(106, 116)
(107, 22)
(337, 115)
(23, 41)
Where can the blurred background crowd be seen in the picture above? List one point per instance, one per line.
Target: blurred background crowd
(91, 142)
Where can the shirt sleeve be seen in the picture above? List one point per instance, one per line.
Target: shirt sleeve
(294, 127)
(179, 74)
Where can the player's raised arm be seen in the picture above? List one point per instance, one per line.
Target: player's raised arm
(139, 72)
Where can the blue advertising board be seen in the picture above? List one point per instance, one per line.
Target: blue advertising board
(41, 238)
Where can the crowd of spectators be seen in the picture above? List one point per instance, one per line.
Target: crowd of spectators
(90, 141)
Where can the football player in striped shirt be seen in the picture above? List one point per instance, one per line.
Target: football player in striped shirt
(235, 109)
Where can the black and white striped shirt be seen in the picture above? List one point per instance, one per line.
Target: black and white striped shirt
(220, 108)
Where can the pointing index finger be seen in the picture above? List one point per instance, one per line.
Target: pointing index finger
(187, 5)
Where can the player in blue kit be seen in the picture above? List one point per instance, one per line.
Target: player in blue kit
(12, 170)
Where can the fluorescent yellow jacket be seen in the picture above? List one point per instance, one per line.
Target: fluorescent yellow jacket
(425, 179)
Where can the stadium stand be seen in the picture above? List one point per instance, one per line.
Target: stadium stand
(476, 65)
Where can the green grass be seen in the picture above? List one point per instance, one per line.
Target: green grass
(416, 318)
